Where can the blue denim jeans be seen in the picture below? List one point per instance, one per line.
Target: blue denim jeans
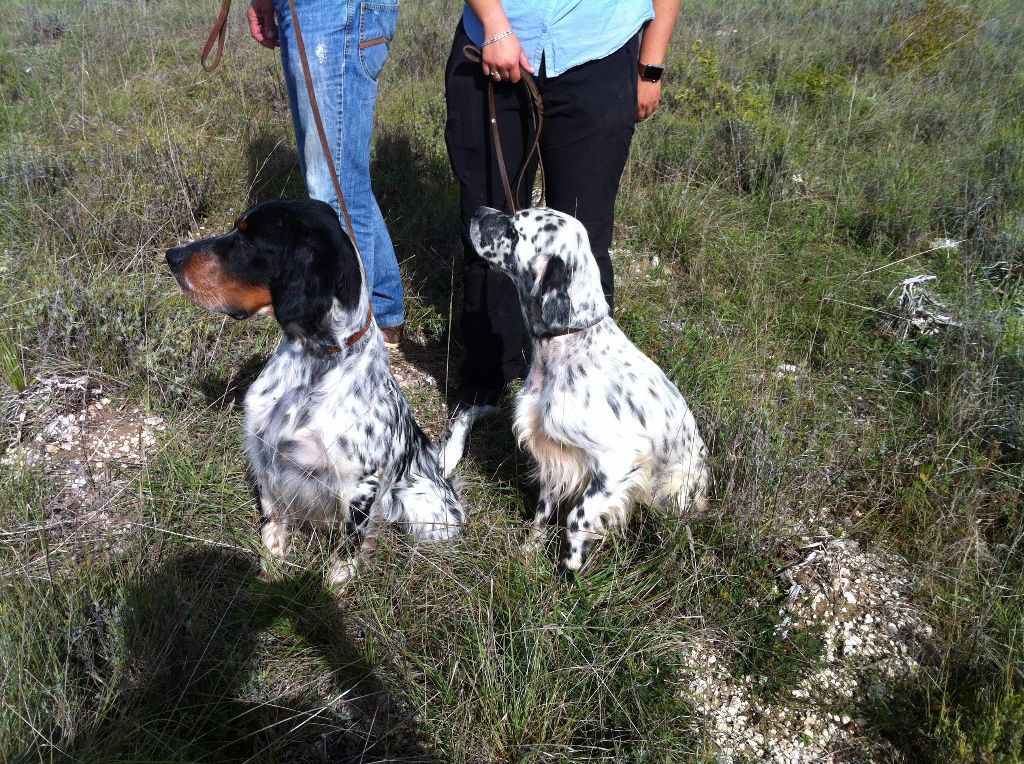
(347, 43)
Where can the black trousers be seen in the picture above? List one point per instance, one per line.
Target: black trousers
(589, 118)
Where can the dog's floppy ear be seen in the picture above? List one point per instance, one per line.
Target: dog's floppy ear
(317, 271)
(553, 295)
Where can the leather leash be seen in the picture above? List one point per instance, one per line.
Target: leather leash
(473, 53)
(217, 35)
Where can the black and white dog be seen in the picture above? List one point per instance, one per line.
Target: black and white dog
(329, 435)
(605, 425)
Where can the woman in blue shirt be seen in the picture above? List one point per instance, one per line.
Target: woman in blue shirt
(598, 66)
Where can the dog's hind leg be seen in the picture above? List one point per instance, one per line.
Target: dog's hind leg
(684, 486)
(428, 507)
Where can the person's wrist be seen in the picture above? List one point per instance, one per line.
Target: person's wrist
(651, 72)
(494, 24)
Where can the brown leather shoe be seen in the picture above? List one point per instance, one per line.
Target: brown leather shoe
(392, 336)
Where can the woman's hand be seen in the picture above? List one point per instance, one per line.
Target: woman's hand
(262, 24)
(504, 57)
(648, 97)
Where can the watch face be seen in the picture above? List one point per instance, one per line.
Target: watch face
(650, 73)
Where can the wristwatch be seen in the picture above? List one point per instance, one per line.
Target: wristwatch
(651, 73)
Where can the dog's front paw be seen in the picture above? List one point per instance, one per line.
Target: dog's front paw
(342, 572)
(565, 574)
(535, 542)
(271, 570)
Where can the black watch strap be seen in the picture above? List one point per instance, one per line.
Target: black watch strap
(651, 73)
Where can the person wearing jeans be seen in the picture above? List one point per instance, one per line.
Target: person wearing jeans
(347, 43)
(598, 67)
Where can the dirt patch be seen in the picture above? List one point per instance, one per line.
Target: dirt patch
(861, 602)
(88, 446)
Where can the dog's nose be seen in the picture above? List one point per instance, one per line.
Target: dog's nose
(176, 256)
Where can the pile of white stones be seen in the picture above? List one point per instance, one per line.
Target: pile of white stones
(861, 605)
(86, 445)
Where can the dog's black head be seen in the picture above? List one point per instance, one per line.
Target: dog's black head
(288, 256)
(547, 254)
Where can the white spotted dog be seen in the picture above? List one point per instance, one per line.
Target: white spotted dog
(328, 434)
(605, 425)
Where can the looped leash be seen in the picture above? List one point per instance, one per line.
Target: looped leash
(218, 33)
(472, 53)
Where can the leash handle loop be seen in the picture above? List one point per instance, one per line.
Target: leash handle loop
(218, 33)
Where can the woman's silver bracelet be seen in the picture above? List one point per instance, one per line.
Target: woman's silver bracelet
(501, 36)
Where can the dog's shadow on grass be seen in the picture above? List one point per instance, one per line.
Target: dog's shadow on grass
(198, 637)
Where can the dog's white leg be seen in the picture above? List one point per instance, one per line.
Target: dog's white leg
(360, 544)
(605, 505)
(684, 485)
(458, 432)
(361, 529)
(547, 505)
(342, 571)
(274, 533)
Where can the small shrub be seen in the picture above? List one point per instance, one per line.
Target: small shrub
(705, 93)
(929, 31)
(46, 28)
(817, 82)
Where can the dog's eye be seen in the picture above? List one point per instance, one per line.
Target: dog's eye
(240, 224)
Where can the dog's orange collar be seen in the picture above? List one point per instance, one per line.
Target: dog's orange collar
(357, 336)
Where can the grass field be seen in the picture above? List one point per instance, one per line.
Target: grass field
(856, 592)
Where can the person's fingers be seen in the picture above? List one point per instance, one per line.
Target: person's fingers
(525, 62)
(648, 99)
(270, 28)
(503, 58)
(262, 25)
(254, 25)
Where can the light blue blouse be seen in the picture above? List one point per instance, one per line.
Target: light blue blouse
(567, 33)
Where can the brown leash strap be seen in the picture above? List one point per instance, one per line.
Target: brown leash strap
(315, 108)
(472, 53)
(217, 33)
